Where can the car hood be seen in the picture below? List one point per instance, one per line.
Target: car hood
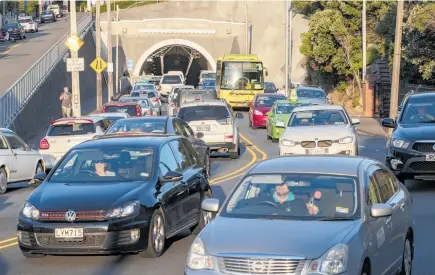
(85, 196)
(328, 132)
(413, 132)
(309, 239)
(282, 117)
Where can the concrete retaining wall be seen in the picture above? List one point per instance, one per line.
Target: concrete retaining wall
(44, 106)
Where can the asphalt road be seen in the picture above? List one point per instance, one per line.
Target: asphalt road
(224, 175)
(16, 58)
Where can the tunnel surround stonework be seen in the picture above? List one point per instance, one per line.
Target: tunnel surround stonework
(168, 42)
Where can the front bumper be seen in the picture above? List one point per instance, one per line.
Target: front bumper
(99, 237)
(15, 34)
(259, 121)
(30, 28)
(334, 149)
(45, 19)
(412, 165)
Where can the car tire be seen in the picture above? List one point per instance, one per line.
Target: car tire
(275, 140)
(3, 181)
(29, 255)
(236, 154)
(24, 36)
(204, 219)
(267, 135)
(157, 233)
(366, 269)
(37, 30)
(407, 257)
(39, 169)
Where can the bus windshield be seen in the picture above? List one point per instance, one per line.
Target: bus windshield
(242, 76)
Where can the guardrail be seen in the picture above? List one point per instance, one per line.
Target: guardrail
(17, 96)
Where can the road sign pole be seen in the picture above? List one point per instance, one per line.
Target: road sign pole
(98, 54)
(75, 77)
(117, 49)
(109, 50)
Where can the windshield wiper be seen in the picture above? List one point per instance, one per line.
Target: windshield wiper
(429, 121)
(335, 219)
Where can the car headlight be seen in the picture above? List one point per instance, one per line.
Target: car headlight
(198, 258)
(279, 123)
(345, 140)
(258, 113)
(334, 261)
(400, 143)
(286, 142)
(29, 211)
(124, 210)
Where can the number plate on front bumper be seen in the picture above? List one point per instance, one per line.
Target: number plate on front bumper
(430, 157)
(203, 128)
(68, 233)
(317, 151)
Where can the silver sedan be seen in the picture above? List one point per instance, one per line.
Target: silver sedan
(311, 215)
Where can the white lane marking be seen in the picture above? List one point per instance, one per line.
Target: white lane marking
(360, 146)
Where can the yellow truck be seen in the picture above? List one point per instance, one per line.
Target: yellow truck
(239, 77)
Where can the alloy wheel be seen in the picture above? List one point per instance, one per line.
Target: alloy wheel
(3, 181)
(39, 169)
(158, 234)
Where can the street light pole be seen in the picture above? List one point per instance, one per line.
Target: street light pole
(290, 43)
(109, 51)
(117, 49)
(75, 77)
(286, 45)
(98, 53)
(394, 98)
(247, 29)
(364, 41)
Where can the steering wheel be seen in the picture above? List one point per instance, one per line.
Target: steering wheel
(89, 173)
(268, 203)
(420, 117)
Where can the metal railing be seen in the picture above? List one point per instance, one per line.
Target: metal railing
(17, 96)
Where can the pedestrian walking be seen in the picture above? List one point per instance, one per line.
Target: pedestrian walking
(66, 99)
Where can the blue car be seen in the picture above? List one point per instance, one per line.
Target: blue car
(208, 84)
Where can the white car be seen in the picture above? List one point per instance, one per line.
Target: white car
(65, 133)
(206, 75)
(167, 82)
(319, 130)
(216, 121)
(173, 96)
(28, 24)
(112, 117)
(18, 162)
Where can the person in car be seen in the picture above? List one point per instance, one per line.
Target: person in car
(285, 200)
(422, 115)
(100, 169)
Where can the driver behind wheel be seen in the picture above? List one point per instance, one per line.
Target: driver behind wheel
(422, 113)
(100, 169)
(286, 200)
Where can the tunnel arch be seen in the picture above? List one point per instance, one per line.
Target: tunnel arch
(170, 42)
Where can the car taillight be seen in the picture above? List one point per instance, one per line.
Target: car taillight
(229, 137)
(43, 144)
(172, 105)
(228, 121)
(156, 99)
(30, 23)
(258, 113)
(138, 111)
(104, 110)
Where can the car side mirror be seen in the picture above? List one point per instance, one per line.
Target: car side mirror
(172, 176)
(210, 205)
(355, 121)
(239, 116)
(381, 210)
(388, 123)
(199, 135)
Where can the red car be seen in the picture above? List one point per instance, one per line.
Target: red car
(131, 108)
(261, 104)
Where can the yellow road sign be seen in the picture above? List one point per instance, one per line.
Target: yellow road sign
(98, 65)
(74, 43)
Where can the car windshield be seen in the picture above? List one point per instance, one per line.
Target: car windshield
(137, 125)
(419, 111)
(195, 113)
(47, 12)
(171, 79)
(311, 93)
(317, 117)
(242, 76)
(295, 197)
(108, 164)
(129, 109)
(208, 75)
(13, 25)
(71, 129)
(138, 87)
(267, 101)
(269, 86)
(284, 108)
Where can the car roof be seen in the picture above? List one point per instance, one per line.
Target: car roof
(25, 17)
(271, 95)
(329, 164)
(135, 140)
(421, 95)
(310, 88)
(147, 118)
(109, 114)
(120, 103)
(216, 102)
(318, 107)
(92, 119)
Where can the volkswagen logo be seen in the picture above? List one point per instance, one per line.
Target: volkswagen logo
(70, 216)
(258, 266)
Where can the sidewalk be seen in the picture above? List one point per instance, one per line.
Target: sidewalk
(371, 126)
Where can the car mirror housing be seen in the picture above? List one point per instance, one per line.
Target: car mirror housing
(172, 176)
(381, 210)
(210, 205)
(388, 123)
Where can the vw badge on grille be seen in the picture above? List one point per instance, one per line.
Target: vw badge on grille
(258, 266)
(70, 216)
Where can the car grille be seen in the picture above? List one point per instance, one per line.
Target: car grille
(428, 166)
(308, 144)
(80, 216)
(235, 265)
(48, 240)
(324, 143)
(424, 147)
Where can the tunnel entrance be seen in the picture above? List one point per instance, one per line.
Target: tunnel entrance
(176, 57)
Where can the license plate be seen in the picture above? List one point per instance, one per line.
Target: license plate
(317, 151)
(203, 128)
(68, 233)
(430, 157)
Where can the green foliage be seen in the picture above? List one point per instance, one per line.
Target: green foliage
(341, 87)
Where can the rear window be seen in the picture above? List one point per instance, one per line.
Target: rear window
(71, 129)
(311, 93)
(267, 101)
(25, 20)
(208, 75)
(138, 125)
(209, 83)
(129, 109)
(195, 96)
(204, 113)
(14, 25)
(171, 79)
(47, 12)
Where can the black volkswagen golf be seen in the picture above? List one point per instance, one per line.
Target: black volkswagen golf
(116, 195)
